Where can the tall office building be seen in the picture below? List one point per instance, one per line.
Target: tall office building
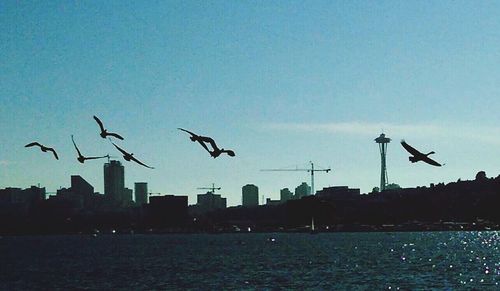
(250, 195)
(141, 193)
(114, 181)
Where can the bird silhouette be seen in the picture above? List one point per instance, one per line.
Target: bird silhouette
(104, 133)
(130, 156)
(82, 158)
(418, 156)
(217, 152)
(202, 140)
(43, 148)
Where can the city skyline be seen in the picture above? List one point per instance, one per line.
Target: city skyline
(280, 83)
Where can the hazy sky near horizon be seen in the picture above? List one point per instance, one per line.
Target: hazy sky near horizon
(280, 82)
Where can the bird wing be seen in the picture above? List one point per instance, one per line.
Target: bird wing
(204, 145)
(120, 149)
(79, 154)
(99, 122)
(410, 149)
(115, 135)
(211, 141)
(431, 162)
(54, 152)
(139, 162)
(185, 130)
(93, 158)
(33, 144)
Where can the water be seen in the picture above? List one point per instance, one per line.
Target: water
(354, 261)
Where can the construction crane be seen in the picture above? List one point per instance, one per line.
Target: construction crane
(108, 156)
(311, 170)
(213, 188)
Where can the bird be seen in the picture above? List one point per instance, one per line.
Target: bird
(104, 133)
(43, 148)
(418, 156)
(202, 140)
(130, 156)
(217, 152)
(81, 158)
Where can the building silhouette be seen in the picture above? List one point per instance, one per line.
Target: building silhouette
(285, 195)
(302, 190)
(209, 202)
(250, 195)
(19, 200)
(114, 182)
(82, 188)
(141, 193)
(127, 197)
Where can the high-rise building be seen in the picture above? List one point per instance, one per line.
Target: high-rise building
(250, 195)
(141, 193)
(285, 195)
(302, 190)
(114, 182)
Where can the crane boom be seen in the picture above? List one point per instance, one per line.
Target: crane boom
(213, 188)
(311, 170)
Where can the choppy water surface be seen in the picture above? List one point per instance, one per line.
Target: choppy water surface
(432, 260)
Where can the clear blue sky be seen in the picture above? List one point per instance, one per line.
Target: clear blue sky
(280, 82)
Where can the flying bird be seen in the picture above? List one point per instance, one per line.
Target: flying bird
(130, 156)
(202, 140)
(43, 148)
(418, 156)
(217, 152)
(82, 158)
(104, 133)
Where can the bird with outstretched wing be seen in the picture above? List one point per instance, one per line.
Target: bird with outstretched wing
(418, 156)
(81, 158)
(130, 156)
(104, 133)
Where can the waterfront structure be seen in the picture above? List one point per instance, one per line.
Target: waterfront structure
(285, 195)
(141, 193)
(250, 195)
(302, 190)
(382, 144)
(114, 182)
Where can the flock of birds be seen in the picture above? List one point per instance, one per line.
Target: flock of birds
(204, 141)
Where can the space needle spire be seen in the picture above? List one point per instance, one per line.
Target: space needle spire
(382, 144)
